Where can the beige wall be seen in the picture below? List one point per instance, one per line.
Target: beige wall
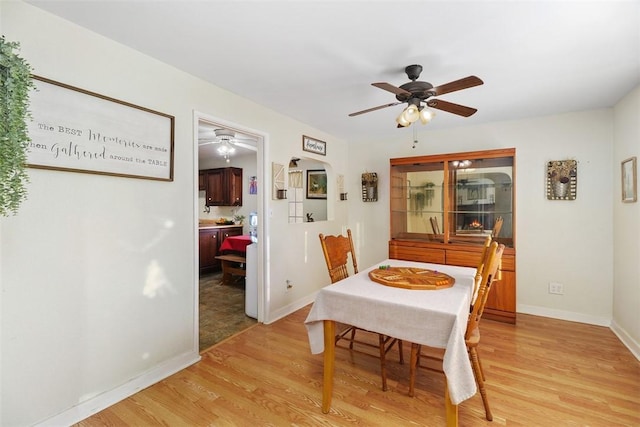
(626, 229)
(98, 274)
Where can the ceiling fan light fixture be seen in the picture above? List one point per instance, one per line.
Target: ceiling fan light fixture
(411, 113)
(226, 148)
(402, 121)
(226, 138)
(426, 115)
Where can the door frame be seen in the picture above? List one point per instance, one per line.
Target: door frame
(263, 208)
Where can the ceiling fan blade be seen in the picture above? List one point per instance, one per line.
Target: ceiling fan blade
(247, 146)
(465, 83)
(391, 88)
(368, 110)
(450, 107)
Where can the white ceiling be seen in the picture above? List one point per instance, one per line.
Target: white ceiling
(315, 60)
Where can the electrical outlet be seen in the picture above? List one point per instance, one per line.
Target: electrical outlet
(289, 285)
(556, 288)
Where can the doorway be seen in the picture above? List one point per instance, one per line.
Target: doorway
(220, 144)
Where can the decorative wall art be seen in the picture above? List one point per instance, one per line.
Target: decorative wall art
(340, 184)
(277, 177)
(562, 179)
(630, 180)
(313, 145)
(253, 184)
(370, 187)
(80, 131)
(316, 184)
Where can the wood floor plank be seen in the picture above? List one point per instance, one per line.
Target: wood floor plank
(540, 372)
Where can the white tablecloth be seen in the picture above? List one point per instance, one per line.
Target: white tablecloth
(436, 318)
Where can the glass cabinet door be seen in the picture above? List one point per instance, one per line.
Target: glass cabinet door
(417, 198)
(454, 198)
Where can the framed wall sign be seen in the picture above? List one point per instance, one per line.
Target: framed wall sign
(76, 130)
(314, 145)
(316, 184)
(630, 180)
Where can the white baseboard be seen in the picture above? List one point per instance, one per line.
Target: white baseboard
(563, 315)
(102, 401)
(627, 340)
(290, 308)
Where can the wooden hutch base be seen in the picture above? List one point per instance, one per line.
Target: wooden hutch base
(501, 302)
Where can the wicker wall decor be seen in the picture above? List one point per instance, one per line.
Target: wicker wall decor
(562, 179)
(370, 187)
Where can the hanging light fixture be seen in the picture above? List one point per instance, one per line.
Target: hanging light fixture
(226, 138)
(461, 164)
(413, 112)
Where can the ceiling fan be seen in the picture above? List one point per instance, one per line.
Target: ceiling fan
(225, 137)
(418, 95)
(225, 141)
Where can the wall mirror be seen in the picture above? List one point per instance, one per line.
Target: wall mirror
(307, 187)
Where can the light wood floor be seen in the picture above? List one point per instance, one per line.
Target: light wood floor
(541, 372)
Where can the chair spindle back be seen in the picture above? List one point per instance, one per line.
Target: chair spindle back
(336, 250)
(488, 277)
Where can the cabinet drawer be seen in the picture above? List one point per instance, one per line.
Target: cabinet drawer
(435, 256)
(462, 258)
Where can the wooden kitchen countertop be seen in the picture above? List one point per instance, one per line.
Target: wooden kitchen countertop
(202, 225)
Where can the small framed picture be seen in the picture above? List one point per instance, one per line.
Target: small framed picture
(316, 184)
(630, 180)
(314, 145)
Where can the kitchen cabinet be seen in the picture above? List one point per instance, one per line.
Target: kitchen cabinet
(210, 239)
(222, 186)
(444, 206)
(201, 181)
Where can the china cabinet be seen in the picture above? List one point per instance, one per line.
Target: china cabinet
(444, 206)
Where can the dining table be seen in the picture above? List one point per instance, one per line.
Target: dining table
(432, 317)
(236, 243)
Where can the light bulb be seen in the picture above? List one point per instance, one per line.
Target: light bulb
(402, 121)
(411, 114)
(426, 116)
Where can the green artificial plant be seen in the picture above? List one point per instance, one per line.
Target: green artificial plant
(15, 84)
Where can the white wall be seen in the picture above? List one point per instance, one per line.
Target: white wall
(562, 241)
(626, 229)
(97, 275)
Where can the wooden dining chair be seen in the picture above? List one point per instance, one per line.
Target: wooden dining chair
(497, 226)
(472, 333)
(337, 250)
(479, 269)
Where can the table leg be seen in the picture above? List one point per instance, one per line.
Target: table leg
(226, 276)
(329, 361)
(451, 410)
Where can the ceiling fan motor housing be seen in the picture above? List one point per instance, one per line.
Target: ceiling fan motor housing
(416, 89)
(420, 90)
